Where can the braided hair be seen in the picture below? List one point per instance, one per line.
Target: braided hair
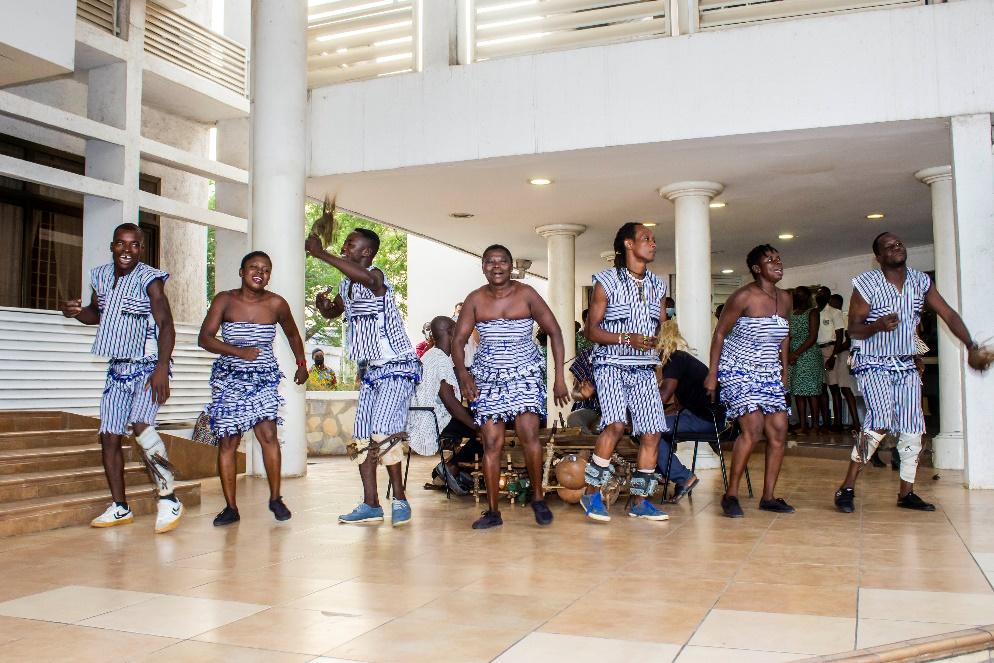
(626, 231)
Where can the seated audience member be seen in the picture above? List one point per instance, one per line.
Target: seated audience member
(682, 391)
(421, 348)
(320, 377)
(439, 390)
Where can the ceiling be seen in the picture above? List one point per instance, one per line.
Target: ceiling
(817, 184)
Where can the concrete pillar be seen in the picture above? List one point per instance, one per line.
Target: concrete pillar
(947, 447)
(279, 168)
(973, 196)
(693, 260)
(435, 29)
(561, 241)
(232, 148)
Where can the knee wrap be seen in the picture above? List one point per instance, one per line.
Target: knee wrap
(909, 447)
(643, 483)
(383, 448)
(153, 453)
(597, 476)
(867, 442)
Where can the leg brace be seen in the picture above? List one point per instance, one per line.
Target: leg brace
(381, 447)
(909, 447)
(867, 442)
(153, 453)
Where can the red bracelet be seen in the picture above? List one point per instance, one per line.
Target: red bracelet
(302, 363)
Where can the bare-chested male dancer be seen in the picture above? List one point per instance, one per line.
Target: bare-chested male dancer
(506, 380)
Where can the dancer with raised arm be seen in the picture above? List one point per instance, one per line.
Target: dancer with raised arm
(130, 308)
(749, 358)
(626, 308)
(245, 379)
(884, 311)
(506, 380)
(390, 370)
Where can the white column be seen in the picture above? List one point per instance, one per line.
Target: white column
(561, 241)
(436, 27)
(279, 168)
(947, 447)
(973, 195)
(232, 148)
(693, 260)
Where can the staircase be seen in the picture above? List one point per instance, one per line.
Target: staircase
(51, 473)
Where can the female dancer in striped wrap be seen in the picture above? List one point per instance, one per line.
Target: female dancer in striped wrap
(506, 380)
(246, 377)
(749, 359)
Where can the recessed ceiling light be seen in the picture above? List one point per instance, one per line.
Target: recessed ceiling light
(649, 224)
(540, 181)
(875, 216)
(716, 205)
(728, 271)
(785, 236)
(462, 215)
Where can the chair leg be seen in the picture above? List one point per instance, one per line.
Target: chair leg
(666, 477)
(445, 470)
(693, 467)
(407, 467)
(748, 479)
(721, 462)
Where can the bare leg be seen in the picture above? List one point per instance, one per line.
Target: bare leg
(605, 445)
(648, 455)
(851, 404)
(367, 472)
(752, 429)
(492, 436)
(826, 416)
(227, 467)
(775, 426)
(855, 468)
(113, 458)
(526, 426)
(396, 474)
(802, 413)
(836, 406)
(265, 432)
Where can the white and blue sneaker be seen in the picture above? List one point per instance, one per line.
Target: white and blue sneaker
(114, 515)
(594, 507)
(362, 514)
(400, 512)
(645, 509)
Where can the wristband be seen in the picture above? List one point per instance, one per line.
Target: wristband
(301, 363)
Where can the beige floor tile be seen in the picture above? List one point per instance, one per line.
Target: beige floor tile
(790, 599)
(579, 649)
(174, 616)
(767, 631)
(822, 575)
(558, 581)
(192, 651)
(490, 610)
(262, 589)
(985, 561)
(294, 630)
(72, 603)
(359, 598)
(651, 622)
(696, 654)
(966, 580)
(407, 640)
(874, 632)
(82, 645)
(943, 607)
(12, 629)
(13, 588)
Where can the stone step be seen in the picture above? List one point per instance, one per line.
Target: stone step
(52, 483)
(38, 439)
(11, 422)
(18, 461)
(45, 513)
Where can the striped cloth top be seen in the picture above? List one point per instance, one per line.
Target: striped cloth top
(754, 344)
(245, 335)
(364, 312)
(582, 370)
(884, 298)
(627, 312)
(126, 321)
(506, 349)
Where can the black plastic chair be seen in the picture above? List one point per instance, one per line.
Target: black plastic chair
(711, 439)
(441, 448)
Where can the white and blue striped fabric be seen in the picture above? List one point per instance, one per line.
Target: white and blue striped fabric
(750, 371)
(893, 398)
(630, 389)
(627, 312)
(384, 398)
(244, 393)
(508, 371)
(362, 332)
(126, 321)
(883, 299)
(125, 399)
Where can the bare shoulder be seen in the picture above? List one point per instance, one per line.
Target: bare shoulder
(526, 290)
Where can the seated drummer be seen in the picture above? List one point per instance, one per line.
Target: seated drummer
(682, 391)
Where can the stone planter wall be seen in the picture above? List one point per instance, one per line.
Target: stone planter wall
(330, 416)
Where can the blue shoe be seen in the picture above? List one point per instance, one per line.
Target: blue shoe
(400, 513)
(363, 514)
(593, 505)
(645, 509)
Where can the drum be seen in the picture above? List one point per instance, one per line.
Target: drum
(569, 472)
(570, 495)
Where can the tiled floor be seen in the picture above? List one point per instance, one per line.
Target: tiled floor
(697, 588)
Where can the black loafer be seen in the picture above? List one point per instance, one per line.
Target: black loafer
(488, 519)
(844, 500)
(912, 501)
(543, 516)
(776, 505)
(279, 509)
(731, 507)
(226, 517)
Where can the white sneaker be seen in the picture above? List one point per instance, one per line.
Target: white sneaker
(114, 515)
(168, 517)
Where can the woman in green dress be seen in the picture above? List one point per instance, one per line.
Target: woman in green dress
(806, 371)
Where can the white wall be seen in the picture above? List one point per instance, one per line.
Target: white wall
(438, 277)
(838, 70)
(36, 39)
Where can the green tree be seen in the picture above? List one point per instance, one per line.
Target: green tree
(211, 248)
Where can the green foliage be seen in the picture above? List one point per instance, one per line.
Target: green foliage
(211, 249)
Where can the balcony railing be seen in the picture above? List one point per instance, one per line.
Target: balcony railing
(195, 48)
(514, 27)
(101, 13)
(727, 13)
(355, 39)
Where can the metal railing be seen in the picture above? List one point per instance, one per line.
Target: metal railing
(500, 28)
(193, 47)
(729, 13)
(101, 13)
(356, 39)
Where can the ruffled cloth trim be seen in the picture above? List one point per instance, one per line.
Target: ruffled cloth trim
(509, 415)
(243, 397)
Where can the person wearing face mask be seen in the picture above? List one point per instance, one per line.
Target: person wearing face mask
(320, 377)
(670, 308)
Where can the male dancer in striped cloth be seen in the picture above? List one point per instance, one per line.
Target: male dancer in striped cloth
(378, 342)
(884, 312)
(129, 306)
(625, 312)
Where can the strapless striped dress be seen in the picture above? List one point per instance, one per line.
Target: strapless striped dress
(508, 371)
(749, 371)
(243, 393)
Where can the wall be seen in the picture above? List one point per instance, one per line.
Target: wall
(330, 416)
(837, 70)
(40, 40)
